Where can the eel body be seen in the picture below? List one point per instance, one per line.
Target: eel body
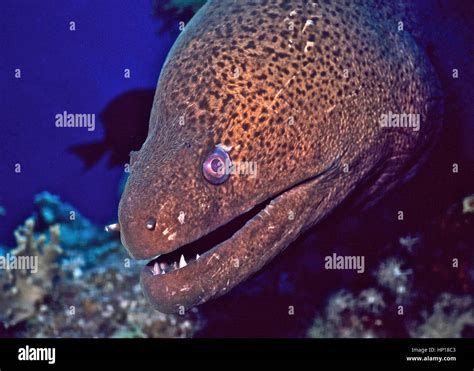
(275, 111)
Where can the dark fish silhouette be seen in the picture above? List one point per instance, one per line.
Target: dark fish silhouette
(125, 122)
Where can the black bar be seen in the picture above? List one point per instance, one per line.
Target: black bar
(87, 352)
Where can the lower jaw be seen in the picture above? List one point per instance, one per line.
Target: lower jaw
(171, 285)
(215, 272)
(185, 287)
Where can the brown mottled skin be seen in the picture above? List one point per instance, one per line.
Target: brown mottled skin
(238, 75)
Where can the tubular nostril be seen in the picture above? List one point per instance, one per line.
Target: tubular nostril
(112, 227)
(151, 223)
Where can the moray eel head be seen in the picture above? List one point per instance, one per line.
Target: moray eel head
(256, 133)
(204, 223)
(201, 211)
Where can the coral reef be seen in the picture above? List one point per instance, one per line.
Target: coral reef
(24, 289)
(390, 274)
(422, 287)
(347, 316)
(351, 317)
(468, 205)
(84, 285)
(79, 237)
(450, 316)
(106, 302)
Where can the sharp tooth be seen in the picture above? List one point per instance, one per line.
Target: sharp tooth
(182, 262)
(175, 266)
(197, 256)
(156, 269)
(163, 266)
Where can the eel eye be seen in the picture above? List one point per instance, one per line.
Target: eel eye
(216, 167)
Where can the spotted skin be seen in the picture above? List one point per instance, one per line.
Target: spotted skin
(297, 87)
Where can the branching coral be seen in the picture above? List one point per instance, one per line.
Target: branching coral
(450, 316)
(23, 290)
(407, 284)
(351, 316)
(79, 237)
(468, 204)
(390, 274)
(67, 297)
(106, 302)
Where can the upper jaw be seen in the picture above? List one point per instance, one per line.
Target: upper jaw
(142, 244)
(146, 249)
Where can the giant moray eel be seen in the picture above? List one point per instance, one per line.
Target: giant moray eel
(298, 88)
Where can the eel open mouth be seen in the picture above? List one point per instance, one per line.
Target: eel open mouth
(212, 265)
(187, 276)
(191, 252)
(221, 259)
